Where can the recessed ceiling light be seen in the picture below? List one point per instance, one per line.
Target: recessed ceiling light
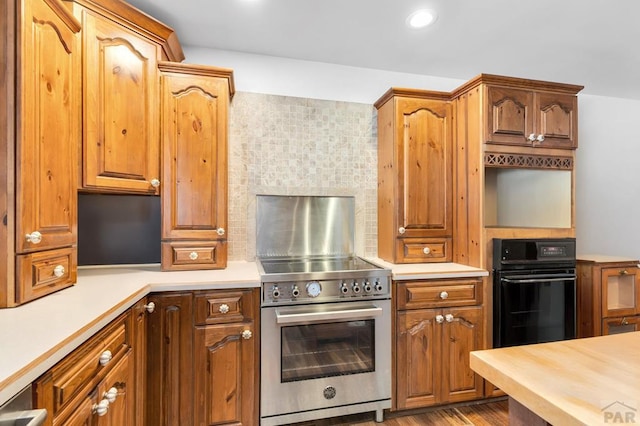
(422, 18)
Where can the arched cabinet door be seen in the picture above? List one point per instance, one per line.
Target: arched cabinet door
(47, 130)
(531, 118)
(195, 103)
(121, 118)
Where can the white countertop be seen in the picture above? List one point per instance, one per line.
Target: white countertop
(418, 271)
(37, 335)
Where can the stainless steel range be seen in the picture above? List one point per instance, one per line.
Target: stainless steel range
(325, 316)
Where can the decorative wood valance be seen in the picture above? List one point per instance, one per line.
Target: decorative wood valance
(528, 161)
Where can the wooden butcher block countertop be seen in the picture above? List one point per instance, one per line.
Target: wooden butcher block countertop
(588, 381)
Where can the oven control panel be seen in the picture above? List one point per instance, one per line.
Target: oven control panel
(318, 291)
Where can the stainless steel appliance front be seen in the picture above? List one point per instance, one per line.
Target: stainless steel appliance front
(323, 360)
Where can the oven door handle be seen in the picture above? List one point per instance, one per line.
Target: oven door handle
(538, 280)
(327, 316)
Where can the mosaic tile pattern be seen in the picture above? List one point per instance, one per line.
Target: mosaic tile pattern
(284, 145)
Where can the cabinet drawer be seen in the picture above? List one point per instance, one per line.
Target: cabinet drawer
(86, 366)
(224, 306)
(191, 255)
(423, 250)
(42, 273)
(438, 293)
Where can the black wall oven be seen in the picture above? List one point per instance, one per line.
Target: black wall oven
(534, 291)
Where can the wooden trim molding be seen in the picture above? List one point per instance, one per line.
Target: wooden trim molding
(527, 161)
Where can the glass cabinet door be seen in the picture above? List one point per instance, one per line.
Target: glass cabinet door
(620, 294)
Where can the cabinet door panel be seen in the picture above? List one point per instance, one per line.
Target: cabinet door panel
(424, 171)
(510, 118)
(620, 292)
(83, 414)
(170, 360)
(121, 134)
(49, 130)
(557, 120)
(194, 121)
(417, 359)
(121, 410)
(461, 335)
(225, 362)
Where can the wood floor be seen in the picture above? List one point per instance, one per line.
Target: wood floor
(494, 413)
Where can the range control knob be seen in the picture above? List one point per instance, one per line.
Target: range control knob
(367, 287)
(378, 286)
(295, 291)
(343, 288)
(356, 287)
(314, 289)
(275, 292)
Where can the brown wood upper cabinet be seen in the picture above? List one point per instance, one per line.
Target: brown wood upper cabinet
(531, 118)
(40, 123)
(195, 103)
(121, 142)
(414, 176)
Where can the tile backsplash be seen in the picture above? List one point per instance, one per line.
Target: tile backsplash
(282, 145)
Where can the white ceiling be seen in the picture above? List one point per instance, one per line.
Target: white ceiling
(595, 43)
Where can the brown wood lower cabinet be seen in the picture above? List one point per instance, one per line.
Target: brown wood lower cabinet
(433, 343)
(95, 384)
(203, 358)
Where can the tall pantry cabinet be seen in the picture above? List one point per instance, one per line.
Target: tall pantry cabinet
(414, 176)
(40, 79)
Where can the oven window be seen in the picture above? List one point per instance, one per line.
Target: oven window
(329, 349)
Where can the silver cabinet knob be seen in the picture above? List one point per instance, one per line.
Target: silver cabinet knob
(150, 307)
(444, 295)
(540, 138)
(224, 308)
(58, 271)
(100, 408)
(193, 255)
(105, 357)
(448, 317)
(246, 335)
(532, 137)
(439, 319)
(155, 183)
(111, 395)
(34, 238)
(426, 250)
(402, 230)
(220, 231)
